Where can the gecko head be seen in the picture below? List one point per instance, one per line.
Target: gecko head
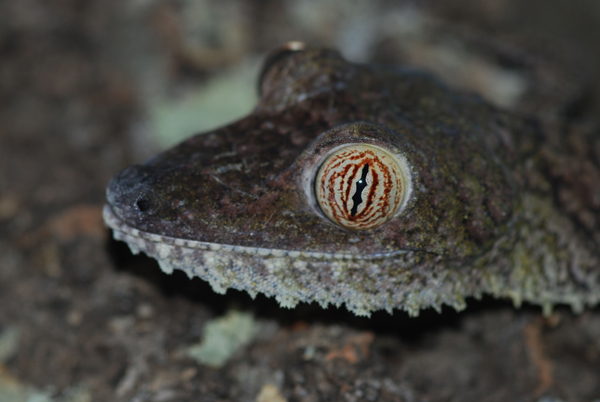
(337, 158)
(348, 184)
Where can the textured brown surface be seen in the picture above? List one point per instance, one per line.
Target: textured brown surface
(91, 315)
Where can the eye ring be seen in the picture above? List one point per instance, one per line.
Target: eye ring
(362, 186)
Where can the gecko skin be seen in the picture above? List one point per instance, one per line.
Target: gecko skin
(494, 205)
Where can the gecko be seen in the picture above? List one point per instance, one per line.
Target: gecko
(375, 187)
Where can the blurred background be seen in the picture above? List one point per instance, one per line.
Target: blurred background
(89, 87)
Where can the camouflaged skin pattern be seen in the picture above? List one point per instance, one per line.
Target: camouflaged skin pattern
(488, 211)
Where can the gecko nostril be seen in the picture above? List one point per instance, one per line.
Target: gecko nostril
(142, 204)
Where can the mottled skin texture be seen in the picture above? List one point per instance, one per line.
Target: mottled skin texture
(497, 204)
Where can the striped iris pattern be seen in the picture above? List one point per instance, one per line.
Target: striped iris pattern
(360, 186)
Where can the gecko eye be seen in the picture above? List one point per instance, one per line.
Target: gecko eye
(362, 186)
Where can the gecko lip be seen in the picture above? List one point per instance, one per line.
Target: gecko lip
(148, 240)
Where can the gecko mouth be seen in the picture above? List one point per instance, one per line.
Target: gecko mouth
(363, 283)
(138, 241)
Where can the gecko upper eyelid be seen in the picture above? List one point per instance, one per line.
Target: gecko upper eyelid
(276, 56)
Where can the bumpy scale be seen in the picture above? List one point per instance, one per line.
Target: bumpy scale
(374, 187)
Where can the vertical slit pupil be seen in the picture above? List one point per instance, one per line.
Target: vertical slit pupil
(360, 186)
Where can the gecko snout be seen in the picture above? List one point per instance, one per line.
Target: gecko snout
(128, 192)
